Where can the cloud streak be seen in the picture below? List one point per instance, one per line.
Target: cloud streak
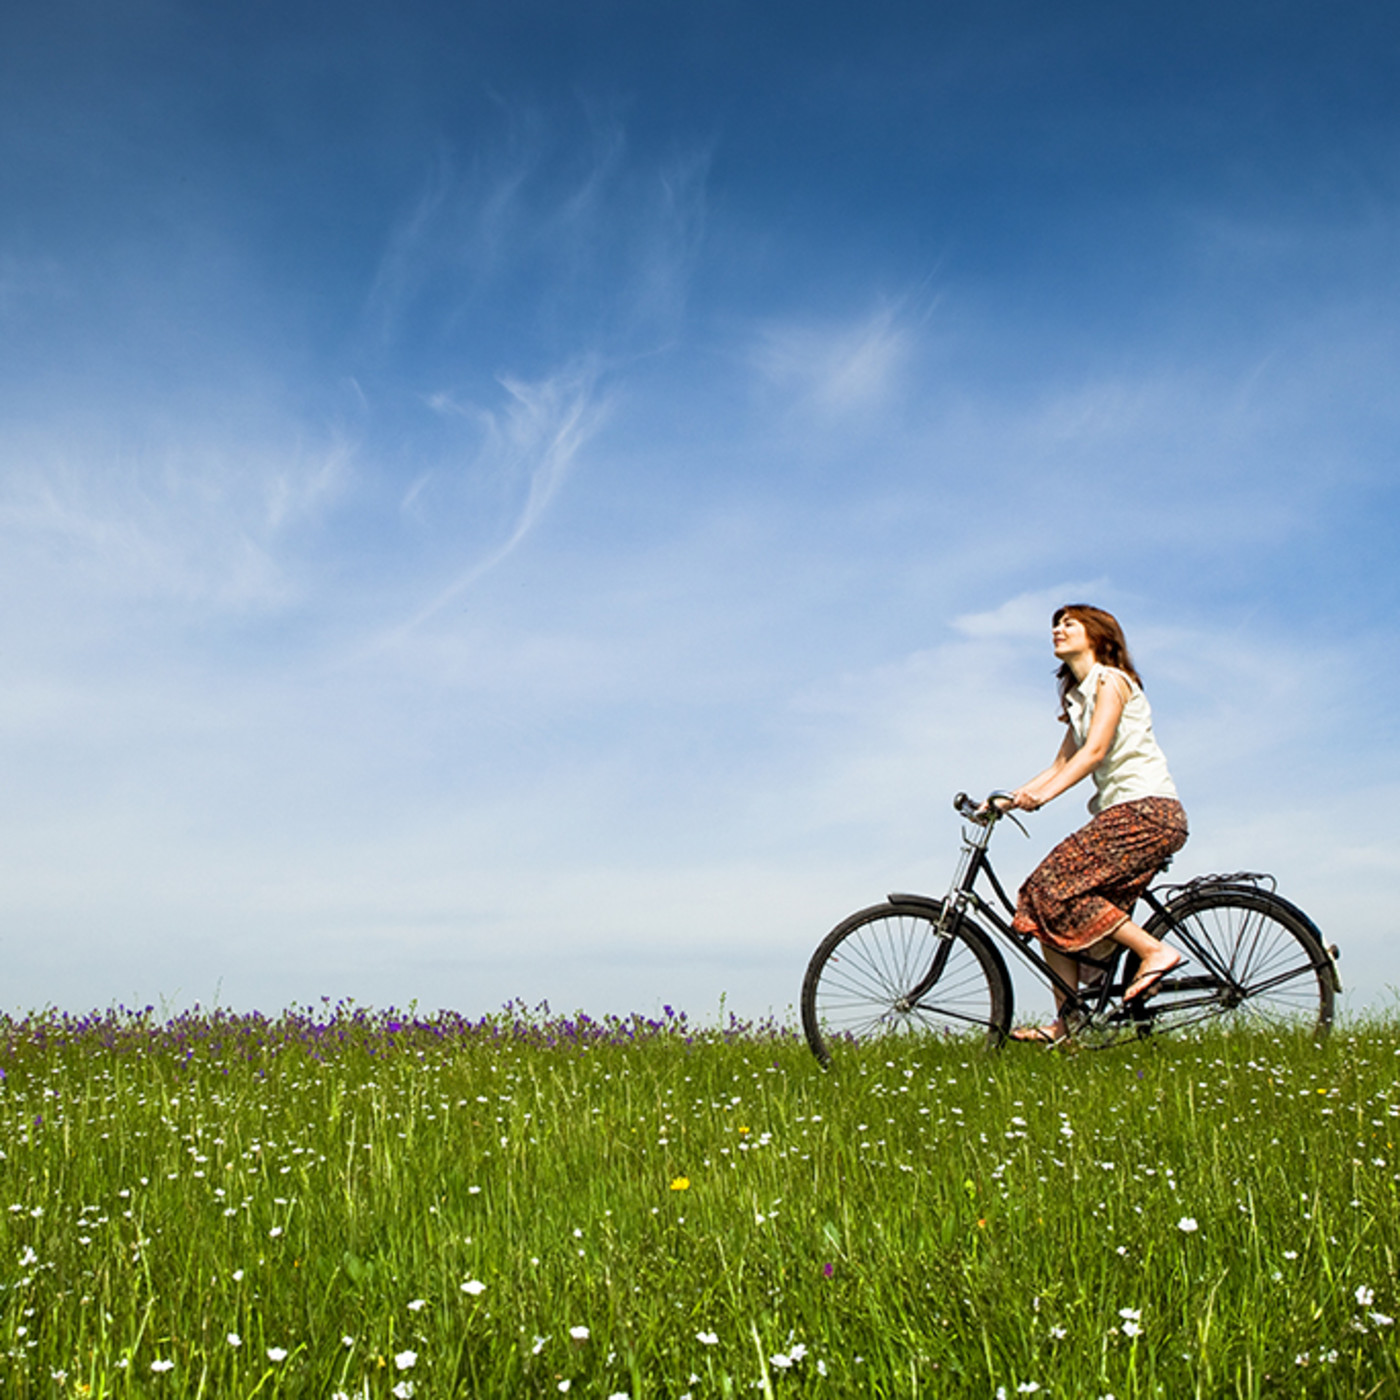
(541, 249)
(548, 238)
(534, 444)
(835, 369)
(194, 519)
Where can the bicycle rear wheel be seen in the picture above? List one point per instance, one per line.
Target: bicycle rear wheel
(1255, 960)
(884, 973)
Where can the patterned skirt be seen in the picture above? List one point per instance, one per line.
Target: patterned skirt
(1089, 883)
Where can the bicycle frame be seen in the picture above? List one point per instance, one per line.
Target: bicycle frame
(915, 965)
(963, 895)
(1094, 994)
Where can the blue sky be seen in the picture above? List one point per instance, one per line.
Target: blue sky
(549, 501)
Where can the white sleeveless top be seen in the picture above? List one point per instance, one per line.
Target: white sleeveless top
(1134, 767)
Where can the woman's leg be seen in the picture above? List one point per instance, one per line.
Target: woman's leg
(1078, 894)
(1155, 959)
(1066, 968)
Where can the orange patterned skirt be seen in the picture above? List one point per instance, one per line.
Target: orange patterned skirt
(1089, 883)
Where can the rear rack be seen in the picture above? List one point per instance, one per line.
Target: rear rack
(1254, 879)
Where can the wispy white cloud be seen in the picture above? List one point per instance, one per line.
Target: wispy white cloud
(1028, 614)
(409, 256)
(533, 444)
(605, 246)
(835, 369)
(192, 518)
(605, 242)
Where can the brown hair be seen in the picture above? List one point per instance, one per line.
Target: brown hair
(1107, 639)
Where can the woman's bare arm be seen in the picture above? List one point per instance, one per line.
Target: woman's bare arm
(1068, 748)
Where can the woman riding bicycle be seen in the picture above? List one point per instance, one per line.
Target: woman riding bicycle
(1082, 893)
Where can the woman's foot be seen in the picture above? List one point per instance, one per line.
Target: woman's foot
(1040, 1035)
(1150, 972)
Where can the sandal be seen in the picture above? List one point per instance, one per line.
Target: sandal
(1147, 983)
(1036, 1035)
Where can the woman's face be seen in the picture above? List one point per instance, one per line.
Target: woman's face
(1069, 638)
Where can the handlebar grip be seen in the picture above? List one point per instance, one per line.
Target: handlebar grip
(998, 803)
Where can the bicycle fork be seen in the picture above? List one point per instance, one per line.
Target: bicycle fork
(949, 919)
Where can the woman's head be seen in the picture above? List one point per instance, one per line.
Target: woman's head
(1105, 637)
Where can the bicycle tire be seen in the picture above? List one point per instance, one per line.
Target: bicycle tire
(858, 982)
(1256, 960)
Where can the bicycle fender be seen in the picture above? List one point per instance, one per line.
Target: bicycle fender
(1329, 951)
(923, 900)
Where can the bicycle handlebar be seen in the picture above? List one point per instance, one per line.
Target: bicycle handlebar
(997, 804)
(987, 811)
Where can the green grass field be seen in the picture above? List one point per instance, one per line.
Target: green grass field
(380, 1204)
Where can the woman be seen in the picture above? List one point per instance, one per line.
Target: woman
(1083, 892)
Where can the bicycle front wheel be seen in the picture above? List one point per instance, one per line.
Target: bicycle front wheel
(884, 973)
(1255, 959)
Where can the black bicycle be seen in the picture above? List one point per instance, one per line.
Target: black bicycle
(916, 966)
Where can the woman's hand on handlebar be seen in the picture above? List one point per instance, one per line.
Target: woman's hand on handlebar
(1001, 801)
(998, 803)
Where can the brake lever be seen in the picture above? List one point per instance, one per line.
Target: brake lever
(997, 799)
(994, 811)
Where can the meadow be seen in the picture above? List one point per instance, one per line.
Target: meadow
(340, 1202)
